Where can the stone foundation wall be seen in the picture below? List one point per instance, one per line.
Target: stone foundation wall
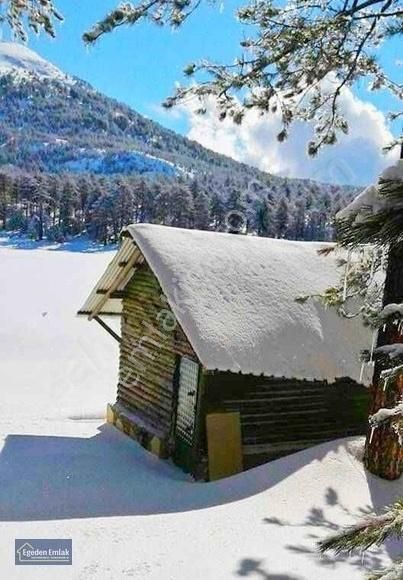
(136, 429)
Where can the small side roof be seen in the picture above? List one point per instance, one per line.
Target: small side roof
(234, 296)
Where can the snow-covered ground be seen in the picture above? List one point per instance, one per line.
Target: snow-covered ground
(64, 473)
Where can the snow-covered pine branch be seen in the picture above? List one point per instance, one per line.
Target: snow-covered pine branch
(393, 351)
(393, 572)
(281, 69)
(376, 215)
(384, 414)
(373, 530)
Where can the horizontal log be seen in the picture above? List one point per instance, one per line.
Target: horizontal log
(141, 396)
(147, 342)
(147, 352)
(155, 421)
(161, 396)
(164, 370)
(135, 329)
(274, 396)
(252, 408)
(143, 364)
(282, 434)
(313, 437)
(152, 384)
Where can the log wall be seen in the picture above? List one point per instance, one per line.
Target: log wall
(151, 342)
(280, 416)
(277, 416)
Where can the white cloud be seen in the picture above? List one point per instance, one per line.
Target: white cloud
(357, 158)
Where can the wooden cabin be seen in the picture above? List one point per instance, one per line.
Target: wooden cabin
(221, 368)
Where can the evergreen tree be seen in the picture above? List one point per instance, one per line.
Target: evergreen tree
(236, 218)
(201, 216)
(217, 212)
(41, 200)
(263, 223)
(300, 220)
(281, 218)
(6, 190)
(67, 206)
(182, 207)
(27, 187)
(376, 218)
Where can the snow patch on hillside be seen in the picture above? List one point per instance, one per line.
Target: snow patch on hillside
(23, 62)
(98, 161)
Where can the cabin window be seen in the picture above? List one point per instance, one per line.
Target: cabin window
(187, 399)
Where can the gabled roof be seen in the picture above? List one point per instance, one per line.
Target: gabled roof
(234, 297)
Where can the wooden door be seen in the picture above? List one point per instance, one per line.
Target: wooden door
(186, 412)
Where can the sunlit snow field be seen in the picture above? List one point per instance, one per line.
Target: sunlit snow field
(65, 474)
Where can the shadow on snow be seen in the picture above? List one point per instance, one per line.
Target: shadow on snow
(249, 567)
(318, 518)
(47, 477)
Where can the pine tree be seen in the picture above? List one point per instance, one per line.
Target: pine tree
(68, 204)
(27, 187)
(281, 218)
(236, 218)
(217, 212)
(262, 217)
(40, 202)
(377, 218)
(300, 220)
(201, 217)
(182, 207)
(5, 197)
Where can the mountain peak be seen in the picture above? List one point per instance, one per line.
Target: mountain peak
(20, 60)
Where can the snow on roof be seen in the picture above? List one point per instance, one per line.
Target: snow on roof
(19, 59)
(234, 296)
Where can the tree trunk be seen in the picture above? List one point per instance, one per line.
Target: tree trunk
(383, 455)
(40, 229)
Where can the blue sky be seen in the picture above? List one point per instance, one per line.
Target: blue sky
(140, 66)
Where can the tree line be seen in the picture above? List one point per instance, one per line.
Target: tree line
(60, 206)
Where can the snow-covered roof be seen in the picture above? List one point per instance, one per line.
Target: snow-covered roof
(234, 296)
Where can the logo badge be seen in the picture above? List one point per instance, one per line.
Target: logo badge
(30, 552)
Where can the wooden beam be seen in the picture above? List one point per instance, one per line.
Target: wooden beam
(120, 278)
(108, 328)
(117, 294)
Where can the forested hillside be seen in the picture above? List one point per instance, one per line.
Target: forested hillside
(74, 161)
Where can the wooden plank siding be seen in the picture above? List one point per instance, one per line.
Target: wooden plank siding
(281, 416)
(277, 416)
(150, 345)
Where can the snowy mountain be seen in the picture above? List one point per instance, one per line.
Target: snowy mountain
(51, 122)
(22, 62)
(60, 130)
